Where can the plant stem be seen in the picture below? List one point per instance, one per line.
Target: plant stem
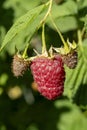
(25, 51)
(43, 36)
(43, 39)
(48, 12)
(62, 39)
(44, 50)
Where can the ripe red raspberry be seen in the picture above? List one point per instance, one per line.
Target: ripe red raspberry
(49, 75)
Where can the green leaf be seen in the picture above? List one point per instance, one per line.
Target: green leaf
(63, 15)
(85, 23)
(20, 6)
(72, 118)
(82, 4)
(63, 23)
(76, 80)
(2, 33)
(27, 4)
(30, 21)
(65, 9)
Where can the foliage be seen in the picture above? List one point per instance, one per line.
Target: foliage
(21, 107)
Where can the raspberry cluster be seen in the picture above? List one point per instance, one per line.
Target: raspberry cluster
(48, 71)
(48, 67)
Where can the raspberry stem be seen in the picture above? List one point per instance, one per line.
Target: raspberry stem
(66, 46)
(48, 12)
(41, 24)
(25, 51)
(43, 39)
(44, 50)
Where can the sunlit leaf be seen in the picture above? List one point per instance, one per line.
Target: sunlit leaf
(30, 20)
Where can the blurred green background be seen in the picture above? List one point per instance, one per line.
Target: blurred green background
(21, 106)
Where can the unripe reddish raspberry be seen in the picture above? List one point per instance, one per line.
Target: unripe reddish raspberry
(49, 75)
(19, 65)
(71, 59)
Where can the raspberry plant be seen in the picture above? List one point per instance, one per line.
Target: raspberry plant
(63, 26)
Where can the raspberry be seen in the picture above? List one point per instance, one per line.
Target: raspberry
(19, 65)
(49, 75)
(71, 59)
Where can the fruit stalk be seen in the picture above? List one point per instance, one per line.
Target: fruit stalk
(66, 46)
(25, 51)
(44, 50)
(48, 12)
